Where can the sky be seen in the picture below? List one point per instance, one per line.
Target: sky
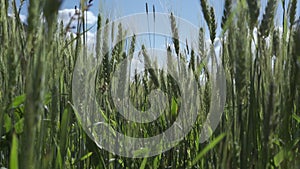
(119, 8)
(113, 9)
(190, 10)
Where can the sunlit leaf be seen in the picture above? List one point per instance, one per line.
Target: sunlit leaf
(7, 123)
(297, 118)
(86, 156)
(19, 126)
(18, 100)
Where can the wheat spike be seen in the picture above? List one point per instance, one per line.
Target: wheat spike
(175, 35)
(213, 25)
(147, 8)
(253, 12)
(226, 12)
(268, 18)
(296, 40)
(201, 46)
(148, 66)
(292, 12)
(205, 11)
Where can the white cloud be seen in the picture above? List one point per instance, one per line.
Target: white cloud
(22, 17)
(91, 40)
(66, 14)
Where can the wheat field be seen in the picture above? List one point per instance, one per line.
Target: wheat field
(260, 125)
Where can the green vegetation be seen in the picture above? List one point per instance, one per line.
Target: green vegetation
(260, 126)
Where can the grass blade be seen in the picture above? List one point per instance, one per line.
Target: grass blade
(208, 147)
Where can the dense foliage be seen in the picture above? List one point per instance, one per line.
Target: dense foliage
(260, 126)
